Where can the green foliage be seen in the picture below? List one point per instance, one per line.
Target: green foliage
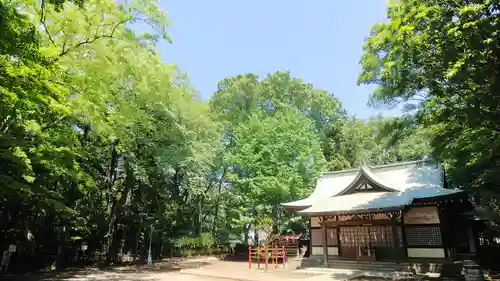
(240, 96)
(275, 131)
(372, 143)
(103, 143)
(280, 133)
(276, 158)
(200, 245)
(440, 59)
(31, 154)
(204, 240)
(99, 137)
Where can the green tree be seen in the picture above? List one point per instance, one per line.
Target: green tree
(239, 97)
(370, 142)
(440, 59)
(274, 129)
(274, 159)
(101, 140)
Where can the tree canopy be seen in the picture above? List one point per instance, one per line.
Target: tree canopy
(441, 60)
(104, 144)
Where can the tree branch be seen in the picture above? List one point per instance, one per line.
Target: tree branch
(69, 87)
(42, 22)
(92, 40)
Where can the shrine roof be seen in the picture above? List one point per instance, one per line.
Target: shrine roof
(397, 185)
(372, 201)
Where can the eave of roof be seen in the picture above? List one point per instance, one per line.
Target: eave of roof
(295, 208)
(372, 202)
(354, 212)
(299, 203)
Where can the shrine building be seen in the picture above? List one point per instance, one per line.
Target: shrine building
(394, 212)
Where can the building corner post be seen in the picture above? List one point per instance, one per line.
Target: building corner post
(325, 247)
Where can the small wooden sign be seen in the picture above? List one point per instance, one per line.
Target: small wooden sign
(422, 215)
(315, 222)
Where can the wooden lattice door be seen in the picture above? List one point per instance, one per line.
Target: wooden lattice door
(349, 241)
(387, 242)
(381, 241)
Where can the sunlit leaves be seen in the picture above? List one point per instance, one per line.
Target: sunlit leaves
(277, 133)
(71, 27)
(96, 130)
(444, 54)
(276, 157)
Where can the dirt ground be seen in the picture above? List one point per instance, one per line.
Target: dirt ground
(165, 270)
(111, 275)
(178, 270)
(201, 269)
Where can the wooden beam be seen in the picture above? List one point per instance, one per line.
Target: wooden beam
(332, 214)
(361, 222)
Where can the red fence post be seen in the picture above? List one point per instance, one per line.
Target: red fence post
(258, 257)
(249, 257)
(275, 255)
(266, 256)
(283, 255)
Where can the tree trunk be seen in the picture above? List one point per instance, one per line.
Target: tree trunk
(61, 247)
(247, 233)
(219, 190)
(256, 234)
(62, 243)
(216, 215)
(110, 178)
(137, 238)
(197, 216)
(161, 244)
(123, 207)
(276, 219)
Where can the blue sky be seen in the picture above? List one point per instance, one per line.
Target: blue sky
(317, 40)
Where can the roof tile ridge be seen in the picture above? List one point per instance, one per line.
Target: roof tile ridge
(347, 171)
(381, 166)
(404, 163)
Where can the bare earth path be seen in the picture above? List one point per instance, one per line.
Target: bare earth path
(104, 275)
(184, 270)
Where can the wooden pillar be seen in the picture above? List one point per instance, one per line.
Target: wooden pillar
(368, 229)
(443, 228)
(403, 234)
(471, 236)
(396, 245)
(359, 242)
(325, 247)
(309, 250)
(338, 236)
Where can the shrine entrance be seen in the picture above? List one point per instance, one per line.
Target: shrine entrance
(371, 242)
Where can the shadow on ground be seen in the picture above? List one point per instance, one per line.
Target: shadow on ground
(122, 273)
(236, 258)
